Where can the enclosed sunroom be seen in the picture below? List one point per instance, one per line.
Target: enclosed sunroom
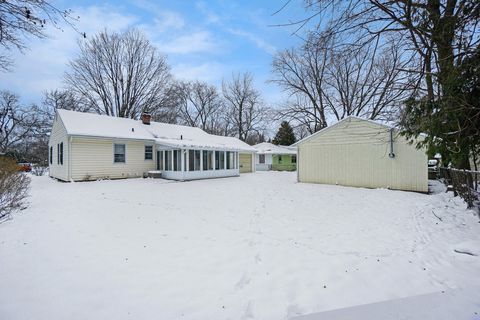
(191, 164)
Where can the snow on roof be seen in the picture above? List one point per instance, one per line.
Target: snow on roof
(270, 148)
(338, 122)
(387, 126)
(89, 124)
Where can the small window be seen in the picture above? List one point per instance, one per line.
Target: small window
(261, 158)
(279, 159)
(119, 153)
(294, 159)
(51, 155)
(61, 153)
(148, 152)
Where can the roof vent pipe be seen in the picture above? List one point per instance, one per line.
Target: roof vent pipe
(391, 154)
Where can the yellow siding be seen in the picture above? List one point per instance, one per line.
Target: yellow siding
(355, 153)
(245, 162)
(58, 135)
(93, 159)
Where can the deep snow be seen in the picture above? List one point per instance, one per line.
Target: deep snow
(260, 246)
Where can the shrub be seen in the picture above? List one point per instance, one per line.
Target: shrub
(13, 187)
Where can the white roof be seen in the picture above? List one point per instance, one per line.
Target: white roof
(270, 148)
(172, 135)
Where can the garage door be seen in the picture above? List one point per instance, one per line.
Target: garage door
(245, 162)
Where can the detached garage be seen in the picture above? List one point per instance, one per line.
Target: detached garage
(362, 153)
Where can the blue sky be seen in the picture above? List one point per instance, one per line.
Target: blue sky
(205, 40)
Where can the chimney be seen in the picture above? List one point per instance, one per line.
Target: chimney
(146, 118)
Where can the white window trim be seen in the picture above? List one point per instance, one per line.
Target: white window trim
(125, 160)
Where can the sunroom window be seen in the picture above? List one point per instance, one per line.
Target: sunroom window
(207, 160)
(168, 160)
(177, 160)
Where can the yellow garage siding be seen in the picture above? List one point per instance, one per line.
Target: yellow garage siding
(57, 136)
(355, 153)
(245, 162)
(93, 159)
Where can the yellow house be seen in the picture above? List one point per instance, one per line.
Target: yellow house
(362, 153)
(85, 146)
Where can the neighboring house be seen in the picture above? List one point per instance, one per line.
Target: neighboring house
(85, 146)
(273, 157)
(362, 153)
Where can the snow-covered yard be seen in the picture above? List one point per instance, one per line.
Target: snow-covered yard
(260, 246)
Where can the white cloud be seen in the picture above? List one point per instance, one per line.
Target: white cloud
(259, 42)
(210, 16)
(211, 72)
(198, 41)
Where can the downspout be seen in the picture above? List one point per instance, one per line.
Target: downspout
(391, 154)
(298, 162)
(69, 178)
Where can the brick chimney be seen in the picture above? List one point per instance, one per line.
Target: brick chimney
(146, 118)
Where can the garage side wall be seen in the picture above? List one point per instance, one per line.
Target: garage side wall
(355, 153)
(92, 158)
(58, 135)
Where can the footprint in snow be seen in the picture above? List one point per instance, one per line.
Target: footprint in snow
(244, 280)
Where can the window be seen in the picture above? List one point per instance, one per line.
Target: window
(230, 160)
(219, 160)
(168, 160)
(60, 153)
(148, 152)
(51, 155)
(194, 160)
(197, 160)
(119, 153)
(207, 160)
(279, 159)
(160, 160)
(177, 160)
(261, 158)
(294, 159)
(191, 160)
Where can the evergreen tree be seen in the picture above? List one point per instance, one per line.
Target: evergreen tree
(285, 135)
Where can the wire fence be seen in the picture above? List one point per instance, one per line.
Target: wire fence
(463, 183)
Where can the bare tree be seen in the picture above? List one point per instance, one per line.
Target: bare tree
(324, 80)
(201, 106)
(121, 75)
(27, 17)
(245, 108)
(18, 124)
(369, 82)
(298, 111)
(301, 72)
